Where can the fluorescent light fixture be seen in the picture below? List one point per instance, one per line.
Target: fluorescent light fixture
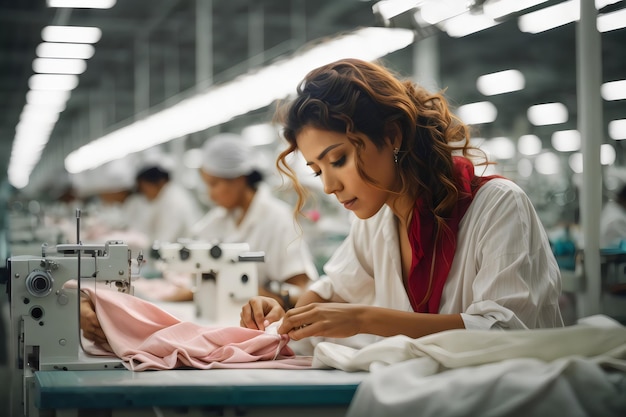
(34, 114)
(435, 12)
(59, 66)
(466, 24)
(529, 145)
(576, 162)
(82, 4)
(500, 82)
(566, 140)
(30, 140)
(497, 9)
(567, 12)
(617, 129)
(269, 83)
(500, 147)
(260, 134)
(47, 97)
(64, 50)
(613, 90)
(602, 3)
(550, 17)
(477, 113)
(71, 34)
(607, 154)
(612, 21)
(388, 9)
(62, 82)
(547, 163)
(547, 114)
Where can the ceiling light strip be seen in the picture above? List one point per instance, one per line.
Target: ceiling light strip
(223, 102)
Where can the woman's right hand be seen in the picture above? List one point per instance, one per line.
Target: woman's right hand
(260, 312)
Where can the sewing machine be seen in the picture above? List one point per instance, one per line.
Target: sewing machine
(44, 312)
(225, 276)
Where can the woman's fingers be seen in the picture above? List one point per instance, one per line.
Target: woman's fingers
(321, 319)
(296, 319)
(260, 312)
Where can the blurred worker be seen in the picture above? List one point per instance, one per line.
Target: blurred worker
(173, 208)
(120, 213)
(247, 212)
(613, 220)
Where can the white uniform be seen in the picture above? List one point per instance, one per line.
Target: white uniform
(132, 213)
(612, 225)
(173, 213)
(268, 226)
(503, 274)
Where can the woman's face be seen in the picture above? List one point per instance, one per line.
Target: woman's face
(333, 157)
(225, 192)
(149, 189)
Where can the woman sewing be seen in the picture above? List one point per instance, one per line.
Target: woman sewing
(246, 211)
(434, 246)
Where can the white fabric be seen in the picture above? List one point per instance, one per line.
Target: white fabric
(503, 274)
(605, 338)
(173, 213)
(268, 226)
(578, 370)
(612, 224)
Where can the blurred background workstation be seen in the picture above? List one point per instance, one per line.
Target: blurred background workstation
(95, 95)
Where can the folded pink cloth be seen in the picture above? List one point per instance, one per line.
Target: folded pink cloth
(146, 337)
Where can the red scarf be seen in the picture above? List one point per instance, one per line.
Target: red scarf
(425, 290)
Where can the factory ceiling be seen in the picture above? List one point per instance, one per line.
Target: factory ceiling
(148, 53)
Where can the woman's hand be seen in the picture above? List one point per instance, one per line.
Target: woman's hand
(322, 319)
(260, 312)
(89, 322)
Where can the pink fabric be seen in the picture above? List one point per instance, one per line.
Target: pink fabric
(146, 337)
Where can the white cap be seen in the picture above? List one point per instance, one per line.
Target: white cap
(154, 158)
(227, 155)
(114, 176)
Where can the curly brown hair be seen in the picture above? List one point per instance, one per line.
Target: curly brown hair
(367, 101)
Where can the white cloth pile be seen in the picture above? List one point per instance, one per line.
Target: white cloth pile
(578, 370)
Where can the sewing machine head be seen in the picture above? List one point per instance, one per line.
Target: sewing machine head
(225, 276)
(45, 311)
(45, 308)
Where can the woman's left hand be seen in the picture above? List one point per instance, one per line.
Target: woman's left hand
(322, 319)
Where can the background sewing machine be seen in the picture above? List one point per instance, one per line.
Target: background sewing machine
(44, 312)
(225, 276)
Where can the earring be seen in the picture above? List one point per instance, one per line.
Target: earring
(396, 151)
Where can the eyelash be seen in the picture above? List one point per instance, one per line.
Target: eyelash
(338, 163)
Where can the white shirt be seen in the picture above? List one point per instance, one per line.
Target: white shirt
(503, 274)
(132, 213)
(268, 226)
(173, 213)
(612, 224)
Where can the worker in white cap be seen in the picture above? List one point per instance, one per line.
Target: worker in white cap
(119, 206)
(173, 208)
(246, 211)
